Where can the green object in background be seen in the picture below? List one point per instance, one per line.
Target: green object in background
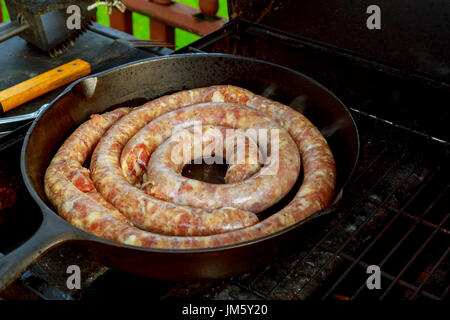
(4, 11)
(102, 16)
(141, 23)
(141, 28)
(182, 37)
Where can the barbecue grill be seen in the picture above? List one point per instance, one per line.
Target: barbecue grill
(393, 214)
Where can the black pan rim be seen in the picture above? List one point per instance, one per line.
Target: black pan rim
(91, 237)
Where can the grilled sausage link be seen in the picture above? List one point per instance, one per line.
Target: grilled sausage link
(218, 145)
(164, 180)
(66, 168)
(93, 215)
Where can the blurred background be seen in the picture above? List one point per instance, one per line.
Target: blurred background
(141, 23)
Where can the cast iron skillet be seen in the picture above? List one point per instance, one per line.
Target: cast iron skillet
(135, 83)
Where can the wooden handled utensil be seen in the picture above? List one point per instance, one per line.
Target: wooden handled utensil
(43, 83)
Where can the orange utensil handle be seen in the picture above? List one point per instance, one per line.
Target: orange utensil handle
(43, 83)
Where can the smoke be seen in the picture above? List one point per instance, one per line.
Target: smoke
(330, 130)
(269, 91)
(299, 103)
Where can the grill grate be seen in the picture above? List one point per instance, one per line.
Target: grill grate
(394, 215)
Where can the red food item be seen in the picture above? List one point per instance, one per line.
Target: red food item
(117, 209)
(265, 188)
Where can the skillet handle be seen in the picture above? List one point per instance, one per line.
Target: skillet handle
(50, 234)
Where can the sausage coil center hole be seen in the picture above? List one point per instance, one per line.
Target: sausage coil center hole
(206, 172)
